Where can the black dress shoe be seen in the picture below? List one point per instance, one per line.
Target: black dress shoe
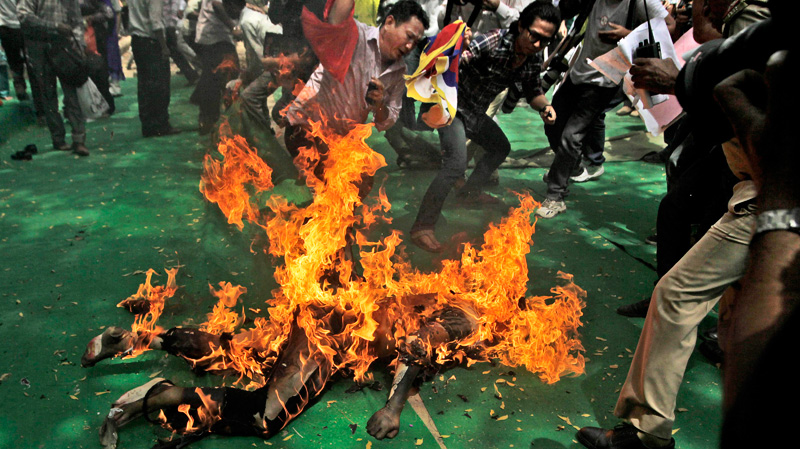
(635, 310)
(164, 132)
(711, 350)
(710, 334)
(169, 132)
(624, 436)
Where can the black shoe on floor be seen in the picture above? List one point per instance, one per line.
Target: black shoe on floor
(164, 132)
(710, 334)
(22, 156)
(711, 350)
(624, 436)
(655, 157)
(635, 310)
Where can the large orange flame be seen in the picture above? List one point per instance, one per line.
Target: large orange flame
(144, 325)
(319, 281)
(539, 333)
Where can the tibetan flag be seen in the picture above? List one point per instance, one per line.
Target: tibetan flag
(436, 78)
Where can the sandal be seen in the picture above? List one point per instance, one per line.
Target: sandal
(426, 239)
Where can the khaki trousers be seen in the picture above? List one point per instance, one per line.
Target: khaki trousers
(680, 301)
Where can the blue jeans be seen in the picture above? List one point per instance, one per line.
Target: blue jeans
(453, 140)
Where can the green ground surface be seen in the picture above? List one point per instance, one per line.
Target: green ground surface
(77, 232)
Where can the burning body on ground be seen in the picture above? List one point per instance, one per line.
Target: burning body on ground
(332, 315)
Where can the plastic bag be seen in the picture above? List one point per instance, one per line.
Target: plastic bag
(91, 100)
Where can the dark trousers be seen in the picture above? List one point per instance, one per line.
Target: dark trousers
(695, 202)
(579, 130)
(208, 92)
(14, 45)
(36, 89)
(453, 140)
(254, 98)
(175, 53)
(152, 85)
(100, 74)
(42, 69)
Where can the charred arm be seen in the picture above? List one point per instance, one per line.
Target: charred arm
(385, 423)
(444, 326)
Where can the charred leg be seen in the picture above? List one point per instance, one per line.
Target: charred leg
(298, 376)
(189, 344)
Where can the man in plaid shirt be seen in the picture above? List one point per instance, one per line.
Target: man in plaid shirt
(492, 62)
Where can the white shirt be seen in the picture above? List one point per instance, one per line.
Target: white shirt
(146, 17)
(604, 12)
(345, 103)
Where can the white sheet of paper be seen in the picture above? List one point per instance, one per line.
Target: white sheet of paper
(615, 65)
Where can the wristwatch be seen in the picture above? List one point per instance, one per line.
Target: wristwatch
(778, 220)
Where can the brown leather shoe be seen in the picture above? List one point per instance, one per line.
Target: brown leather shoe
(426, 240)
(80, 149)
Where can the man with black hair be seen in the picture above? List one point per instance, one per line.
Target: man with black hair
(710, 271)
(365, 75)
(490, 64)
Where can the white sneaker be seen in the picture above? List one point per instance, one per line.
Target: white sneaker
(551, 208)
(588, 173)
(114, 89)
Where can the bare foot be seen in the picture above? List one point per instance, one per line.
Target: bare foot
(112, 342)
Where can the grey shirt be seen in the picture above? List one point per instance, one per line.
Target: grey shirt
(146, 18)
(603, 13)
(210, 29)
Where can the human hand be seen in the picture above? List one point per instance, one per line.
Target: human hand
(654, 75)
(613, 35)
(374, 95)
(548, 115)
(467, 36)
(562, 29)
(237, 32)
(385, 423)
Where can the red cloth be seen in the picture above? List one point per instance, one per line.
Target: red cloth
(334, 45)
(90, 39)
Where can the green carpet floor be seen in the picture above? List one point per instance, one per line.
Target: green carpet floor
(78, 233)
